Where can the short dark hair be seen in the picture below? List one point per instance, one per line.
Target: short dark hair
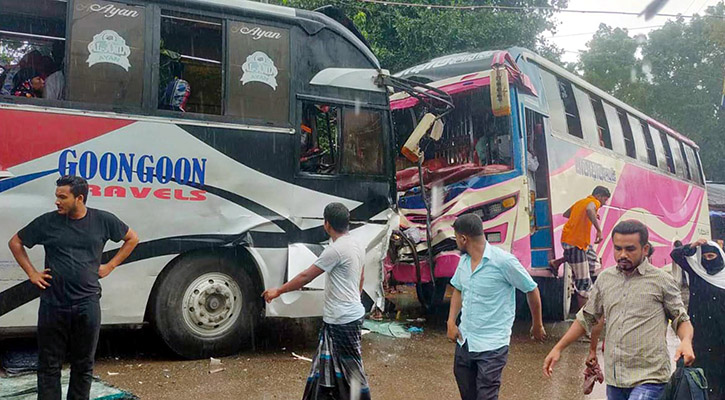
(469, 225)
(632, 226)
(338, 216)
(78, 185)
(601, 191)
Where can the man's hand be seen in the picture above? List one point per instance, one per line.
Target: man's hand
(538, 332)
(592, 357)
(598, 238)
(39, 278)
(685, 350)
(271, 294)
(551, 359)
(699, 242)
(104, 270)
(453, 333)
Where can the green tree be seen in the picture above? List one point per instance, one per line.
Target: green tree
(404, 36)
(677, 79)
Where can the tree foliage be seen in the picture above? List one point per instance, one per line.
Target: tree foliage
(404, 36)
(675, 75)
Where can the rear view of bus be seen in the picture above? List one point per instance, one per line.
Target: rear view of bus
(219, 130)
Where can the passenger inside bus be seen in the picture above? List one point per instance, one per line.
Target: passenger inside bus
(36, 75)
(319, 138)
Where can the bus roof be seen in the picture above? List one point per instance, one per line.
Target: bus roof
(305, 18)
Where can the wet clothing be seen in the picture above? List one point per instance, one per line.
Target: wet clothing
(73, 250)
(636, 308)
(707, 310)
(478, 374)
(579, 263)
(337, 366)
(578, 229)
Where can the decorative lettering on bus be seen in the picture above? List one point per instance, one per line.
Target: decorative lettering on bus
(596, 171)
(108, 10)
(145, 168)
(146, 193)
(256, 32)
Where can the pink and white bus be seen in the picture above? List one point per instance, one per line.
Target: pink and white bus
(521, 168)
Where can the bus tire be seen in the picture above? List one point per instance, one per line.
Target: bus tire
(556, 295)
(206, 305)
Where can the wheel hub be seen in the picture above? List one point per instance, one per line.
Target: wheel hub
(211, 304)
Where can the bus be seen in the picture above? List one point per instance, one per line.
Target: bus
(218, 130)
(527, 139)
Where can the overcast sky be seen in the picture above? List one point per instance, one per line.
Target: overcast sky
(574, 30)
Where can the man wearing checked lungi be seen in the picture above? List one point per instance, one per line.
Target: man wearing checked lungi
(576, 237)
(337, 370)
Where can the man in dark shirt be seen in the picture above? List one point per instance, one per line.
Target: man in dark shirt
(704, 263)
(69, 317)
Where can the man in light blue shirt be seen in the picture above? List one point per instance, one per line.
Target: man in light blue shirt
(485, 284)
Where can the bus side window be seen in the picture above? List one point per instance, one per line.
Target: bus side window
(32, 49)
(677, 157)
(573, 121)
(627, 131)
(688, 171)
(107, 53)
(190, 63)
(605, 139)
(362, 142)
(320, 138)
(651, 154)
(668, 153)
(693, 164)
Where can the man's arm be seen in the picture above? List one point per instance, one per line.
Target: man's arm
(296, 283)
(685, 332)
(575, 332)
(679, 254)
(592, 214)
(362, 280)
(130, 240)
(567, 213)
(455, 308)
(537, 324)
(596, 333)
(21, 256)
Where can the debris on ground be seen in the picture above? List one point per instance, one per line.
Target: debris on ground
(299, 357)
(215, 365)
(391, 328)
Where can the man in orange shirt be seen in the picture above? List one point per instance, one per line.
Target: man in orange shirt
(575, 240)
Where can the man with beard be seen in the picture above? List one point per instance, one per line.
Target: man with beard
(485, 284)
(636, 299)
(703, 261)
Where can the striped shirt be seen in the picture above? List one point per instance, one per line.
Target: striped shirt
(636, 309)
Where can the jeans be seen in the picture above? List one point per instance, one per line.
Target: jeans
(478, 374)
(647, 391)
(69, 329)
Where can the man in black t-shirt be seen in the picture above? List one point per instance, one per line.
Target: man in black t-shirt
(69, 317)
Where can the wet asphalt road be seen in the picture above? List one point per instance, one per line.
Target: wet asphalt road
(417, 368)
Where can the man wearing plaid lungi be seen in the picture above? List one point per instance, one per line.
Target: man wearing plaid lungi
(337, 370)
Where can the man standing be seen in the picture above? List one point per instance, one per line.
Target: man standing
(69, 317)
(704, 263)
(575, 240)
(337, 368)
(636, 299)
(485, 284)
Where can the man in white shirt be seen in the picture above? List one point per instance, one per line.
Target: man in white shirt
(337, 365)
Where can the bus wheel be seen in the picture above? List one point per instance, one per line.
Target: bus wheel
(556, 295)
(205, 306)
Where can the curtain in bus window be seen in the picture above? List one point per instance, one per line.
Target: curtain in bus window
(556, 105)
(586, 116)
(259, 72)
(107, 53)
(362, 142)
(640, 143)
(692, 164)
(658, 147)
(615, 128)
(677, 157)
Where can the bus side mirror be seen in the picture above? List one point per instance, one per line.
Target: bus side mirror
(411, 148)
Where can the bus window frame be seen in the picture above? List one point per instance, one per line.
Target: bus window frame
(677, 158)
(640, 143)
(343, 104)
(660, 151)
(587, 117)
(615, 129)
